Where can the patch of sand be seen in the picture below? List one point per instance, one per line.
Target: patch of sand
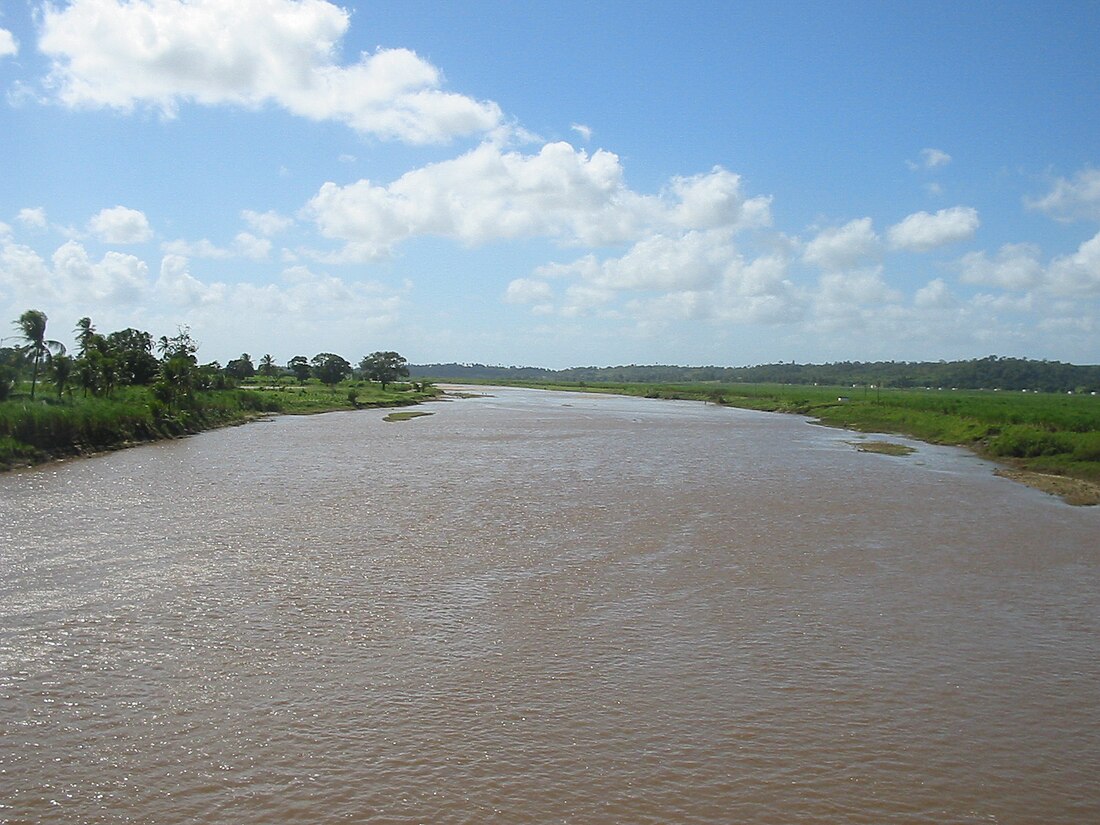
(1072, 490)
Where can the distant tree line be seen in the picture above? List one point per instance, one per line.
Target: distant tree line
(992, 372)
(168, 365)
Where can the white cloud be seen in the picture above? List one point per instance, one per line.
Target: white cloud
(245, 245)
(698, 277)
(584, 131)
(840, 293)
(71, 275)
(1072, 199)
(695, 260)
(559, 193)
(921, 231)
(180, 287)
(583, 299)
(1016, 267)
(930, 159)
(9, 46)
(1078, 273)
(22, 271)
(662, 263)
(934, 295)
(33, 218)
(267, 223)
(845, 247)
(120, 225)
(528, 291)
(117, 277)
(249, 53)
(311, 311)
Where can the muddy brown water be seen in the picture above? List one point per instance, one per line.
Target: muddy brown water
(544, 608)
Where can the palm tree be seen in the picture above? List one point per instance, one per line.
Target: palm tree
(32, 327)
(62, 369)
(84, 332)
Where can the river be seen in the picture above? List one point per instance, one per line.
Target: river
(537, 607)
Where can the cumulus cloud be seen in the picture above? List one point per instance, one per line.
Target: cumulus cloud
(930, 159)
(311, 310)
(116, 277)
(697, 277)
(528, 291)
(9, 47)
(251, 53)
(1076, 199)
(844, 247)
(22, 271)
(176, 284)
(922, 231)
(934, 295)
(245, 245)
(560, 193)
(33, 218)
(1015, 266)
(1078, 273)
(662, 263)
(120, 225)
(267, 223)
(72, 275)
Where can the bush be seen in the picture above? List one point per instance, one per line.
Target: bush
(1030, 442)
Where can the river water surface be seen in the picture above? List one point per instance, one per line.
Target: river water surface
(544, 608)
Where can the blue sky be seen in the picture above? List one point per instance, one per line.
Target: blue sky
(557, 184)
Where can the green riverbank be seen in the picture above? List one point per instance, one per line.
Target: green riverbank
(1050, 441)
(48, 428)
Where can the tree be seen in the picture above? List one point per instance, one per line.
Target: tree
(61, 368)
(383, 367)
(179, 371)
(241, 368)
(329, 368)
(267, 367)
(300, 367)
(180, 344)
(9, 370)
(132, 350)
(32, 327)
(84, 331)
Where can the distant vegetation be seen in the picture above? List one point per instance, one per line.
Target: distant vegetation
(124, 387)
(981, 373)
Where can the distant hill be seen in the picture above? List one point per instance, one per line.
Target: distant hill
(992, 372)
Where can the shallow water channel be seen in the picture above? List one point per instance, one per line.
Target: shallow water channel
(540, 607)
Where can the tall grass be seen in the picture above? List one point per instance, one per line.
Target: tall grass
(33, 430)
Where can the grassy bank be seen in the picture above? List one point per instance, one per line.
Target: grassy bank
(1044, 433)
(33, 432)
